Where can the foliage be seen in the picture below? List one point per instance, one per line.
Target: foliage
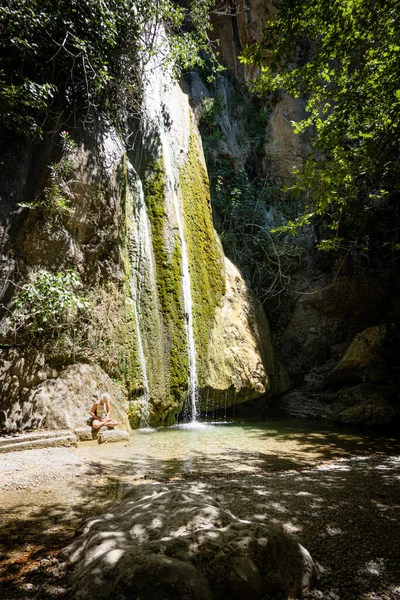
(243, 202)
(73, 55)
(47, 306)
(244, 224)
(54, 199)
(344, 56)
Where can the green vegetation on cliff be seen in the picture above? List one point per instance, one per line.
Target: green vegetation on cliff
(344, 57)
(205, 256)
(168, 273)
(73, 57)
(46, 307)
(243, 201)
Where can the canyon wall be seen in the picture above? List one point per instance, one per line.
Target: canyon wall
(126, 221)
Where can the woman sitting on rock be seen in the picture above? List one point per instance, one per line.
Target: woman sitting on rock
(101, 412)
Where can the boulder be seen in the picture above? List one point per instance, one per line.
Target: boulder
(364, 359)
(59, 400)
(85, 434)
(370, 412)
(112, 435)
(169, 543)
(241, 365)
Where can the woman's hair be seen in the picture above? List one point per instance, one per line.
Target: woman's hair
(105, 396)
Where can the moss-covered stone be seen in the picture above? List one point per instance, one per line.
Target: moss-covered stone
(205, 254)
(178, 356)
(168, 274)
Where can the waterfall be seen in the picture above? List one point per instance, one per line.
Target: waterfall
(192, 407)
(166, 112)
(142, 266)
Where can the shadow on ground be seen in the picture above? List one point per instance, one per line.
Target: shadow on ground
(346, 512)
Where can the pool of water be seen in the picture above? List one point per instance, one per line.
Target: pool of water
(236, 446)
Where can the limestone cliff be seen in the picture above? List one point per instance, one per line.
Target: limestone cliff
(115, 221)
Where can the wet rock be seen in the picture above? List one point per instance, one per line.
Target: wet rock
(160, 540)
(112, 435)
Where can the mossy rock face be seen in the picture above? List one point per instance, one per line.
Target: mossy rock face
(205, 253)
(165, 407)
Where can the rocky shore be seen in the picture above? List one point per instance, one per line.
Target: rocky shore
(345, 512)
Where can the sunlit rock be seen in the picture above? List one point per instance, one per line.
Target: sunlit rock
(113, 435)
(364, 359)
(62, 402)
(241, 364)
(162, 542)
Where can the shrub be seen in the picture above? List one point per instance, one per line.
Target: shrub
(47, 306)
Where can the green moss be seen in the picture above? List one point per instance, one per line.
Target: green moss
(168, 275)
(207, 274)
(128, 371)
(178, 358)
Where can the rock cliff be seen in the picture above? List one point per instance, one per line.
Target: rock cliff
(118, 227)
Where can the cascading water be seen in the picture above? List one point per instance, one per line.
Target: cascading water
(168, 117)
(142, 264)
(192, 410)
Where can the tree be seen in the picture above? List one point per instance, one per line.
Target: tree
(343, 56)
(68, 56)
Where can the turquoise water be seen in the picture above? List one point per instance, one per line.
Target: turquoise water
(236, 446)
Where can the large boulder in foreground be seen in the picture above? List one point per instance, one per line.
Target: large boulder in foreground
(161, 542)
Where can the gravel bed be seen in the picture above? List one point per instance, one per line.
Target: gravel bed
(345, 512)
(32, 468)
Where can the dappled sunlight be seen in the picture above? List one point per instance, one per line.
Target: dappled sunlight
(334, 507)
(240, 447)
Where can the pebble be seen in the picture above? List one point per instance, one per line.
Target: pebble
(28, 586)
